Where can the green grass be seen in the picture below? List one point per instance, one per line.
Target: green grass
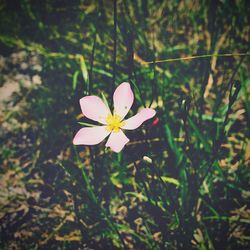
(180, 184)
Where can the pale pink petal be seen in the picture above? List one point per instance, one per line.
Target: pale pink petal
(123, 99)
(117, 141)
(136, 120)
(90, 136)
(94, 108)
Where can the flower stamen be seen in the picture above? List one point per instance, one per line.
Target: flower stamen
(114, 123)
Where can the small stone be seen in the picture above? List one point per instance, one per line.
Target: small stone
(147, 159)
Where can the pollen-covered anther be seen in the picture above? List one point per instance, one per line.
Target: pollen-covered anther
(114, 123)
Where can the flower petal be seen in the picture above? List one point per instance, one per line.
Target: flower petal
(117, 141)
(90, 136)
(136, 120)
(94, 108)
(123, 99)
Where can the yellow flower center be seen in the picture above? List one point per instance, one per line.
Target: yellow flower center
(114, 123)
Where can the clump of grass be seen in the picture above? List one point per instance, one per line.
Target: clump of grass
(182, 181)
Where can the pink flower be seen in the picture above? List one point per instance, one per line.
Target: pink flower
(112, 124)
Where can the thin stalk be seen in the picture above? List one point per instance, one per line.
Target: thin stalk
(154, 81)
(115, 42)
(195, 57)
(129, 40)
(94, 198)
(92, 57)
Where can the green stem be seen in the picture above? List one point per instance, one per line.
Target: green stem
(115, 42)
